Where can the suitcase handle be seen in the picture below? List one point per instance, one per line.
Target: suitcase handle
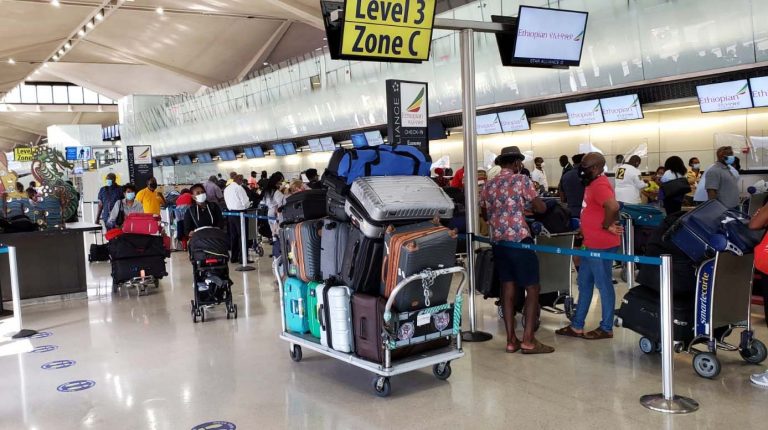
(297, 307)
(321, 316)
(362, 332)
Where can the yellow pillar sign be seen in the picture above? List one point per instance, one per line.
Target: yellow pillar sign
(388, 29)
(23, 154)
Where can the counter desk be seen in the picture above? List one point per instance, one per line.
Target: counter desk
(51, 262)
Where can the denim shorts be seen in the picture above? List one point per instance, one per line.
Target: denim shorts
(520, 266)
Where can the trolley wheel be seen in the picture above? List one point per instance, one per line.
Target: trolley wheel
(295, 353)
(381, 386)
(647, 345)
(234, 311)
(201, 313)
(755, 354)
(706, 365)
(679, 347)
(195, 315)
(442, 371)
(260, 251)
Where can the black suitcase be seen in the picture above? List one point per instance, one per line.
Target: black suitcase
(98, 251)
(127, 269)
(486, 280)
(136, 246)
(363, 256)
(304, 206)
(337, 191)
(640, 312)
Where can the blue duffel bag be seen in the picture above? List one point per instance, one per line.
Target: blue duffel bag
(381, 160)
(643, 215)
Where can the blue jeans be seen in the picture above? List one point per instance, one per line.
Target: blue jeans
(594, 272)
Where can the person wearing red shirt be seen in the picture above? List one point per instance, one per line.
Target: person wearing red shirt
(601, 231)
(457, 181)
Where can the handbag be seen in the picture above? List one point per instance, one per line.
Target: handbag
(761, 255)
(676, 188)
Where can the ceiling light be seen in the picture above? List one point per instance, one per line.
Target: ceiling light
(159, 10)
(55, 58)
(266, 64)
(89, 25)
(81, 32)
(11, 61)
(100, 16)
(61, 51)
(67, 45)
(55, 3)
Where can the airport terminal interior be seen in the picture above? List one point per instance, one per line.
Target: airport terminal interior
(379, 214)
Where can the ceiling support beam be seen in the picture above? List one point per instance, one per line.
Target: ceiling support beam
(303, 14)
(266, 50)
(21, 128)
(43, 109)
(76, 119)
(9, 52)
(194, 77)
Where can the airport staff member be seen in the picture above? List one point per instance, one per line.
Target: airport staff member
(629, 181)
(721, 183)
(150, 198)
(236, 200)
(109, 194)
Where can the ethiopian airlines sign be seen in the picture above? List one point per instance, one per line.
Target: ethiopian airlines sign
(724, 96)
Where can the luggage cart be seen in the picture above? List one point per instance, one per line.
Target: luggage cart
(723, 301)
(439, 359)
(254, 231)
(142, 284)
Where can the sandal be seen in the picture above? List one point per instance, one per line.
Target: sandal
(514, 349)
(538, 348)
(598, 334)
(568, 331)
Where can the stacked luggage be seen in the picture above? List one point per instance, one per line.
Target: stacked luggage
(380, 224)
(137, 260)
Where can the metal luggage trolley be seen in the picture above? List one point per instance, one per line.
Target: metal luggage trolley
(723, 300)
(439, 359)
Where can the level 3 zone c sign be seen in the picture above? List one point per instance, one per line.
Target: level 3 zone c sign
(388, 29)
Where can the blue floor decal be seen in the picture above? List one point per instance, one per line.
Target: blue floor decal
(44, 348)
(73, 386)
(41, 335)
(58, 364)
(215, 425)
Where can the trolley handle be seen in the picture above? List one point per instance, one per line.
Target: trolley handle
(424, 275)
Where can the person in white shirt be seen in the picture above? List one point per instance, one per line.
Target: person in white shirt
(236, 200)
(538, 175)
(629, 181)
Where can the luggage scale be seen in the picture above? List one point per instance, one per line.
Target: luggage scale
(439, 359)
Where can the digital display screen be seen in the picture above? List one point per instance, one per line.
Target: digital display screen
(759, 88)
(314, 145)
(359, 140)
(227, 155)
(185, 160)
(586, 112)
(374, 138)
(514, 120)
(254, 152)
(290, 148)
(488, 124)
(724, 96)
(327, 144)
(279, 149)
(204, 157)
(621, 108)
(549, 37)
(168, 161)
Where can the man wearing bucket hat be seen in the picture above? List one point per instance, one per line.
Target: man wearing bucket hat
(502, 203)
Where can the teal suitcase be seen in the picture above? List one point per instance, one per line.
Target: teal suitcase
(295, 303)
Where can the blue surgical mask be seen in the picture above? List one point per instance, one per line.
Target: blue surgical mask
(109, 182)
(130, 196)
(730, 159)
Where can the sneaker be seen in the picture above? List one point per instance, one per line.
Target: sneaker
(760, 379)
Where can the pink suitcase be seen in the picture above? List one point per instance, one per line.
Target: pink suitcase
(147, 224)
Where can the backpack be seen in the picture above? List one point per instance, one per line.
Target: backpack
(556, 219)
(381, 160)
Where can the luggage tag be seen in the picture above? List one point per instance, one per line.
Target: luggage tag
(423, 319)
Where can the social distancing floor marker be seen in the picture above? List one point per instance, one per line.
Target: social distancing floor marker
(43, 348)
(58, 364)
(215, 425)
(74, 386)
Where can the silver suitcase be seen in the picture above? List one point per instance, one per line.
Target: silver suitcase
(400, 198)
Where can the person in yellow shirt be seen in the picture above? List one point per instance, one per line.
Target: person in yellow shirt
(150, 198)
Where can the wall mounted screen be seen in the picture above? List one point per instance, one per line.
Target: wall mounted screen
(621, 108)
(514, 120)
(279, 149)
(759, 88)
(358, 140)
(168, 161)
(204, 157)
(549, 37)
(290, 148)
(314, 145)
(582, 113)
(374, 138)
(254, 152)
(327, 143)
(488, 124)
(724, 96)
(227, 155)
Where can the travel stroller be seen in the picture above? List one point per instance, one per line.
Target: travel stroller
(209, 253)
(137, 261)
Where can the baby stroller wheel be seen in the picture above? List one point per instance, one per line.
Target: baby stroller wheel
(260, 251)
(647, 346)
(706, 365)
(756, 352)
(202, 314)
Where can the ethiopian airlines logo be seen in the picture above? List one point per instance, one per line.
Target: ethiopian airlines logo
(743, 90)
(416, 104)
(579, 36)
(635, 102)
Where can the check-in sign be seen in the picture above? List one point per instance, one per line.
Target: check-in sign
(395, 30)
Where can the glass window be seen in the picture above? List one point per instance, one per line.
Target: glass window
(44, 94)
(105, 100)
(90, 97)
(75, 95)
(28, 94)
(14, 96)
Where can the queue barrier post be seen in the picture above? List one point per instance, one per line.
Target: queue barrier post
(15, 295)
(629, 234)
(667, 401)
(244, 267)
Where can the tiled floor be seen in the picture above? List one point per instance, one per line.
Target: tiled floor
(154, 369)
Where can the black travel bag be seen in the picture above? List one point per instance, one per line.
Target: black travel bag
(640, 312)
(304, 206)
(363, 257)
(98, 251)
(136, 246)
(127, 269)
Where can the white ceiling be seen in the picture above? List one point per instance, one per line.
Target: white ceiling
(135, 50)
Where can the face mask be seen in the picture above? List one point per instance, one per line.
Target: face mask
(109, 182)
(153, 187)
(201, 198)
(130, 196)
(697, 166)
(541, 165)
(730, 159)
(586, 176)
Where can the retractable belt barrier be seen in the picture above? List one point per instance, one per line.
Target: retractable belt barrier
(247, 215)
(666, 401)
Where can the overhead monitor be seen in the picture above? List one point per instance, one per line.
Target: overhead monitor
(227, 155)
(254, 152)
(204, 157)
(290, 148)
(70, 153)
(327, 143)
(358, 140)
(374, 138)
(514, 120)
(586, 112)
(279, 149)
(168, 161)
(759, 88)
(314, 145)
(488, 124)
(621, 108)
(185, 160)
(724, 96)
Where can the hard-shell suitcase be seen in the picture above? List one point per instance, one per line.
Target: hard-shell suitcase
(640, 312)
(305, 205)
(312, 309)
(129, 268)
(411, 249)
(295, 294)
(336, 195)
(400, 198)
(643, 215)
(333, 243)
(361, 270)
(302, 249)
(486, 279)
(137, 223)
(335, 313)
(412, 338)
(698, 234)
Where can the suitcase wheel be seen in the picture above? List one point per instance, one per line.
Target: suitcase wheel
(648, 346)
(295, 353)
(232, 312)
(706, 365)
(755, 354)
(381, 386)
(442, 371)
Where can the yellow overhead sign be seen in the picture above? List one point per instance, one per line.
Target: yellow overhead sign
(23, 154)
(388, 29)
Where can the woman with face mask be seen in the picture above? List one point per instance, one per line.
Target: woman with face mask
(202, 213)
(125, 206)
